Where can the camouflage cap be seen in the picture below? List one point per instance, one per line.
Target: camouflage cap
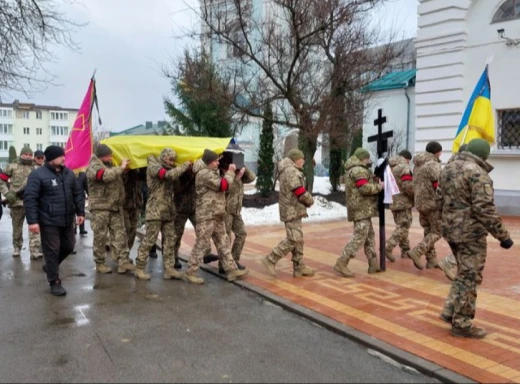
(479, 147)
(406, 154)
(26, 151)
(295, 154)
(361, 154)
(168, 154)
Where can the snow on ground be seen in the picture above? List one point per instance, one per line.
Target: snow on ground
(321, 186)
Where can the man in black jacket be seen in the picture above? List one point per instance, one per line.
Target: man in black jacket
(52, 198)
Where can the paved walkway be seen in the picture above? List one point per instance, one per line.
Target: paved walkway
(400, 306)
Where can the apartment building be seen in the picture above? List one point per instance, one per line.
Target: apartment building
(36, 126)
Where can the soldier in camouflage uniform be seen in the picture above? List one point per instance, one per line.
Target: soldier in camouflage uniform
(294, 200)
(449, 264)
(426, 181)
(106, 198)
(234, 222)
(210, 215)
(468, 215)
(133, 204)
(160, 212)
(16, 174)
(402, 204)
(361, 192)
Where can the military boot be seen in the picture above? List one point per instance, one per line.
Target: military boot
(269, 265)
(342, 268)
(141, 274)
(471, 332)
(103, 268)
(237, 274)
(373, 266)
(305, 271)
(193, 279)
(127, 266)
(404, 253)
(17, 252)
(449, 270)
(416, 258)
(171, 273)
(446, 317)
(37, 256)
(389, 255)
(432, 264)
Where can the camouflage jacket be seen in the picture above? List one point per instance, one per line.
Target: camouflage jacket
(210, 189)
(403, 178)
(17, 174)
(106, 191)
(294, 199)
(468, 208)
(160, 205)
(184, 194)
(361, 190)
(133, 190)
(426, 181)
(235, 193)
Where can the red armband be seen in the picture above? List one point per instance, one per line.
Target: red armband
(435, 184)
(406, 178)
(99, 174)
(361, 182)
(299, 191)
(162, 173)
(4, 177)
(224, 185)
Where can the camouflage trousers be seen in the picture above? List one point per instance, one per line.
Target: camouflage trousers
(18, 218)
(293, 243)
(403, 222)
(105, 224)
(204, 231)
(131, 217)
(364, 236)
(153, 228)
(461, 301)
(431, 223)
(235, 225)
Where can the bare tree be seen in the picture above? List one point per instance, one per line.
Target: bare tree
(301, 57)
(28, 30)
(395, 144)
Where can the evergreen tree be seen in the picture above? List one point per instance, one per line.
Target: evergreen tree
(12, 154)
(264, 182)
(335, 164)
(204, 101)
(357, 141)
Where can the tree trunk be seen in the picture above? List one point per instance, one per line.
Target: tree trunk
(308, 146)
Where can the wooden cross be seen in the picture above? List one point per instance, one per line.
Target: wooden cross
(381, 137)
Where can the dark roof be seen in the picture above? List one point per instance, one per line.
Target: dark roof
(393, 80)
(31, 106)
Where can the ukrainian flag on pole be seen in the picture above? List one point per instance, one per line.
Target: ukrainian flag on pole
(478, 120)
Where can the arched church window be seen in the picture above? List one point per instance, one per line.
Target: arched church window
(508, 11)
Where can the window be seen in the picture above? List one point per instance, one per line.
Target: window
(39, 147)
(25, 114)
(6, 112)
(508, 11)
(6, 129)
(59, 115)
(39, 115)
(39, 131)
(4, 145)
(58, 144)
(26, 145)
(59, 131)
(26, 131)
(508, 135)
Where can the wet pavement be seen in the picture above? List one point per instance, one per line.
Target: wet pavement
(112, 328)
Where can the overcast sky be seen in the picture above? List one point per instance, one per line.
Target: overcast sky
(128, 42)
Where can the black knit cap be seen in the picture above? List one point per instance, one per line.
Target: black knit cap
(433, 147)
(406, 154)
(209, 156)
(53, 152)
(103, 150)
(39, 153)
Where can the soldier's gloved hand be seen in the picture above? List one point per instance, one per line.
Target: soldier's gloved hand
(10, 197)
(506, 243)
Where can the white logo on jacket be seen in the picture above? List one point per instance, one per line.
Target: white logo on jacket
(54, 183)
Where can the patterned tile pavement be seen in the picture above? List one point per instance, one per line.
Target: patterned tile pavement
(400, 306)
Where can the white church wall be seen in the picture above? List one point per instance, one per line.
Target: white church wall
(394, 105)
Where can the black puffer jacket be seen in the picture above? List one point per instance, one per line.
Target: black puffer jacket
(53, 198)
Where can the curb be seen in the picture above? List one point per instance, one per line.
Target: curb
(405, 358)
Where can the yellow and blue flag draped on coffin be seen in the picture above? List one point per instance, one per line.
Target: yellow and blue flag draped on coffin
(138, 148)
(478, 121)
